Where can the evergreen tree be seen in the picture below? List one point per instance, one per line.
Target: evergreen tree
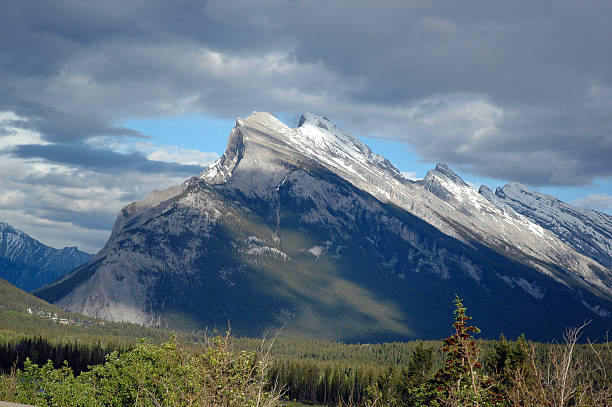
(461, 381)
(415, 375)
(419, 366)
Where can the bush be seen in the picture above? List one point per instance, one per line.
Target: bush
(150, 375)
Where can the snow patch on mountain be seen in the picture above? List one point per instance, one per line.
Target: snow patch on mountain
(588, 232)
(531, 288)
(316, 251)
(504, 225)
(597, 309)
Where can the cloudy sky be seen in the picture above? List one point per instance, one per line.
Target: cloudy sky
(102, 102)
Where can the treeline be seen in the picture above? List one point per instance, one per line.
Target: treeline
(460, 371)
(78, 355)
(148, 375)
(378, 354)
(338, 383)
(327, 383)
(472, 373)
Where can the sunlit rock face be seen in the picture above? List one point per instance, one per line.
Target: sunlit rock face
(586, 231)
(308, 229)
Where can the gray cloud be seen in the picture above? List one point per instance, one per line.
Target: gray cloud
(76, 69)
(63, 205)
(100, 160)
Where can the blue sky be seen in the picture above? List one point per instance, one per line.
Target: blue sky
(102, 102)
(191, 132)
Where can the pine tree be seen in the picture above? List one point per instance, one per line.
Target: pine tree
(461, 381)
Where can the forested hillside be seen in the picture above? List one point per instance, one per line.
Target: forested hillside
(22, 314)
(460, 371)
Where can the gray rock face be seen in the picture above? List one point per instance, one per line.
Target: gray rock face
(29, 264)
(442, 199)
(586, 231)
(308, 227)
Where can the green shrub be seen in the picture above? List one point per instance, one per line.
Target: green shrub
(150, 375)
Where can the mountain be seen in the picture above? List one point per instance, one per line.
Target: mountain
(586, 231)
(29, 264)
(306, 227)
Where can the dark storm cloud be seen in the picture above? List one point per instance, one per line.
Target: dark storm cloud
(99, 160)
(519, 91)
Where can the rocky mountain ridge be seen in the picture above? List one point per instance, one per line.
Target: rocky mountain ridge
(586, 231)
(308, 227)
(317, 139)
(29, 264)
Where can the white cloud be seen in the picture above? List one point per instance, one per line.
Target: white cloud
(411, 175)
(177, 154)
(600, 202)
(11, 135)
(68, 207)
(62, 205)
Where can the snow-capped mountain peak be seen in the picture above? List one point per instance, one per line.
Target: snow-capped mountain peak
(287, 213)
(319, 130)
(451, 188)
(263, 138)
(486, 192)
(261, 146)
(445, 170)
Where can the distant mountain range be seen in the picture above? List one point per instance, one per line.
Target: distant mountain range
(308, 229)
(29, 264)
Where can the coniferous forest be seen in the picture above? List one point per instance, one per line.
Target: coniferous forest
(225, 371)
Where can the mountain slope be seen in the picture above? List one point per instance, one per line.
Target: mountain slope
(318, 140)
(513, 233)
(29, 264)
(308, 228)
(588, 232)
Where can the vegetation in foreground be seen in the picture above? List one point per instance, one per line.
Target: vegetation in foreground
(150, 375)
(518, 373)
